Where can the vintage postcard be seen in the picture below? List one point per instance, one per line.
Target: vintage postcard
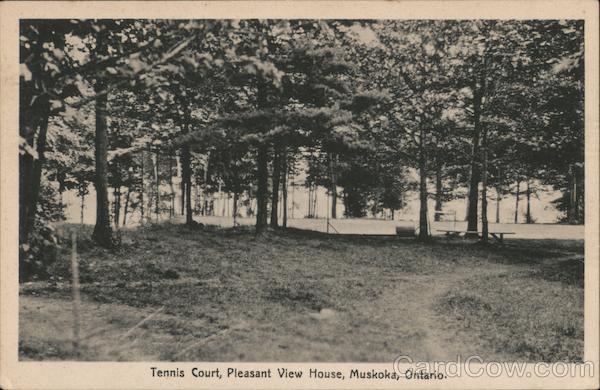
(306, 194)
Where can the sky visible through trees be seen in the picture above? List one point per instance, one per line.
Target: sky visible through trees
(157, 117)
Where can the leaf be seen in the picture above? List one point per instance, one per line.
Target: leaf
(136, 65)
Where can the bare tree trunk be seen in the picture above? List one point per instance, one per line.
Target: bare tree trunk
(182, 183)
(235, 207)
(186, 173)
(528, 196)
(126, 205)
(333, 180)
(484, 203)
(157, 185)
(474, 179)
(517, 202)
(76, 293)
(227, 197)
(285, 189)
(575, 196)
(262, 188)
(498, 193)
(498, 200)
(182, 186)
(438, 190)
(423, 223)
(222, 200)
(102, 231)
(579, 185)
(25, 202)
(82, 206)
(197, 196)
(315, 193)
(293, 190)
(28, 124)
(204, 176)
(172, 208)
(142, 189)
(275, 189)
(569, 196)
(310, 215)
(37, 175)
(117, 205)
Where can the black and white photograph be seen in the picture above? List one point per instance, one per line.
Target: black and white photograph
(301, 190)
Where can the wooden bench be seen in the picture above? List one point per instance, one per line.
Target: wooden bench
(498, 236)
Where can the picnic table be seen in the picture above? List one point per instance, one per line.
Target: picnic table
(498, 236)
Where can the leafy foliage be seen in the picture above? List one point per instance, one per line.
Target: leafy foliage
(233, 105)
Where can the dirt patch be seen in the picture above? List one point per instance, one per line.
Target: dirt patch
(299, 299)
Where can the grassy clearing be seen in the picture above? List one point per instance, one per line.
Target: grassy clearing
(530, 318)
(303, 296)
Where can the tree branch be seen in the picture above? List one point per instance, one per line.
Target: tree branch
(170, 54)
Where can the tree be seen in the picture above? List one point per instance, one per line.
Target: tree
(415, 58)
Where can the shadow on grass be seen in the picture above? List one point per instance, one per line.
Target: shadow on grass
(539, 321)
(570, 272)
(160, 239)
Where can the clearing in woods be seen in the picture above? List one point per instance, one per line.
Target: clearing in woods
(218, 294)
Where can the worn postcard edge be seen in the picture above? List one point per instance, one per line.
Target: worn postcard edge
(84, 375)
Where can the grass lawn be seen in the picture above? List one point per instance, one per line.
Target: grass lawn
(225, 295)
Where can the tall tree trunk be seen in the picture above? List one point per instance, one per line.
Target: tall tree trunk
(126, 204)
(172, 207)
(333, 181)
(150, 185)
(182, 182)
(262, 188)
(102, 234)
(498, 193)
(475, 174)
(438, 190)
(61, 191)
(579, 186)
(284, 169)
(498, 200)
(275, 189)
(196, 196)
(315, 193)
(142, 189)
(82, 206)
(528, 196)
(423, 223)
(117, 205)
(25, 203)
(517, 202)
(235, 207)
(293, 190)
(484, 203)
(204, 177)
(574, 196)
(568, 197)
(156, 186)
(33, 171)
(27, 127)
(182, 187)
(186, 179)
(309, 214)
